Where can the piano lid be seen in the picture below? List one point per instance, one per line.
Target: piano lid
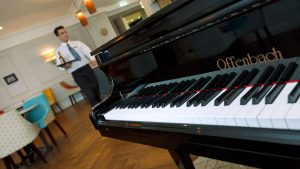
(194, 37)
(173, 22)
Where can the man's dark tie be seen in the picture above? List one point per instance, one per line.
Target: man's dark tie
(73, 52)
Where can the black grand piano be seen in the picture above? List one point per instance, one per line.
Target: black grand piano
(215, 78)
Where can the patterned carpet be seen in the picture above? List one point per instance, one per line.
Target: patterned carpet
(207, 163)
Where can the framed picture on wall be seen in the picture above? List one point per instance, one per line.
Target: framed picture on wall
(9, 79)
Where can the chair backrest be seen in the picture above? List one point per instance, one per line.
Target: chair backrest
(15, 133)
(40, 112)
(49, 95)
(67, 85)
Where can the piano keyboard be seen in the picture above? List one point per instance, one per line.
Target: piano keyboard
(261, 95)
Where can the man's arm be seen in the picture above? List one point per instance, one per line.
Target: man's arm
(87, 52)
(59, 64)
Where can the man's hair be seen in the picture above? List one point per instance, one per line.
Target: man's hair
(57, 29)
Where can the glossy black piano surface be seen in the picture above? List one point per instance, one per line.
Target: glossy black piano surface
(210, 57)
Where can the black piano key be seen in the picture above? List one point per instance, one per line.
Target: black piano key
(142, 101)
(233, 96)
(263, 78)
(276, 74)
(280, 85)
(182, 86)
(236, 92)
(168, 100)
(157, 90)
(181, 100)
(146, 101)
(166, 94)
(159, 102)
(220, 83)
(227, 81)
(274, 93)
(198, 96)
(261, 94)
(120, 104)
(188, 85)
(237, 82)
(223, 82)
(210, 97)
(265, 89)
(154, 100)
(209, 89)
(128, 102)
(289, 71)
(294, 95)
(246, 98)
(133, 103)
(200, 84)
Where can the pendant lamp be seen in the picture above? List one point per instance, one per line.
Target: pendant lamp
(90, 6)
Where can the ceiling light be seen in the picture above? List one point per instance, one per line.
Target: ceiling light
(80, 16)
(123, 3)
(1, 27)
(90, 6)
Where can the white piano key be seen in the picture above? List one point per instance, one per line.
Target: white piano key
(282, 107)
(264, 117)
(232, 109)
(292, 118)
(234, 114)
(252, 115)
(240, 117)
(206, 114)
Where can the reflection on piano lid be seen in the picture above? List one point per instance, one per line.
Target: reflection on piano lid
(216, 78)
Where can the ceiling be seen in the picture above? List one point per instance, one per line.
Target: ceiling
(19, 15)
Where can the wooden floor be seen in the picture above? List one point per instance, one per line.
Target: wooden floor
(85, 148)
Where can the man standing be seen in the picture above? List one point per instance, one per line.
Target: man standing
(75, 57)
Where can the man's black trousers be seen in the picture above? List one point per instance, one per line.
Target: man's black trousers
(86, 79)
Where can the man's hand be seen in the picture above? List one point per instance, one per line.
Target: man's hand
(67, 65)
(93, 63)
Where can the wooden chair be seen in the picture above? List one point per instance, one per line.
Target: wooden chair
(71, 90)
(51, 99)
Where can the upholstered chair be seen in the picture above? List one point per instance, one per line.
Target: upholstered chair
(16, 133)
(42, 114)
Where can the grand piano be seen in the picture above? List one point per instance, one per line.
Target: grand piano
(214, 78)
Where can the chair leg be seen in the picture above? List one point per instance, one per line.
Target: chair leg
(45, 142)
(38, 153)
(51, 136)
(21, 155)
(11, 162)
(59, 107)
(83, 95)
(70, 97)
(7, 162)
(53, 109)
(74, 98)
(61, 128)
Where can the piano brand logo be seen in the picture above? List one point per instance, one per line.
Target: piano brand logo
(230, 62)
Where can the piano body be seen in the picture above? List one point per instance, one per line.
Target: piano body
(213, 78)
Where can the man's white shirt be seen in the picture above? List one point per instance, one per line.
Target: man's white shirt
(80, 48)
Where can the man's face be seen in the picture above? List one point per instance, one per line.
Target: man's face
(63, 35)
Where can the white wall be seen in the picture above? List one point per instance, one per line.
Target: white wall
(150, 6)
(33, 74)
(100, 23)
(24, 59)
